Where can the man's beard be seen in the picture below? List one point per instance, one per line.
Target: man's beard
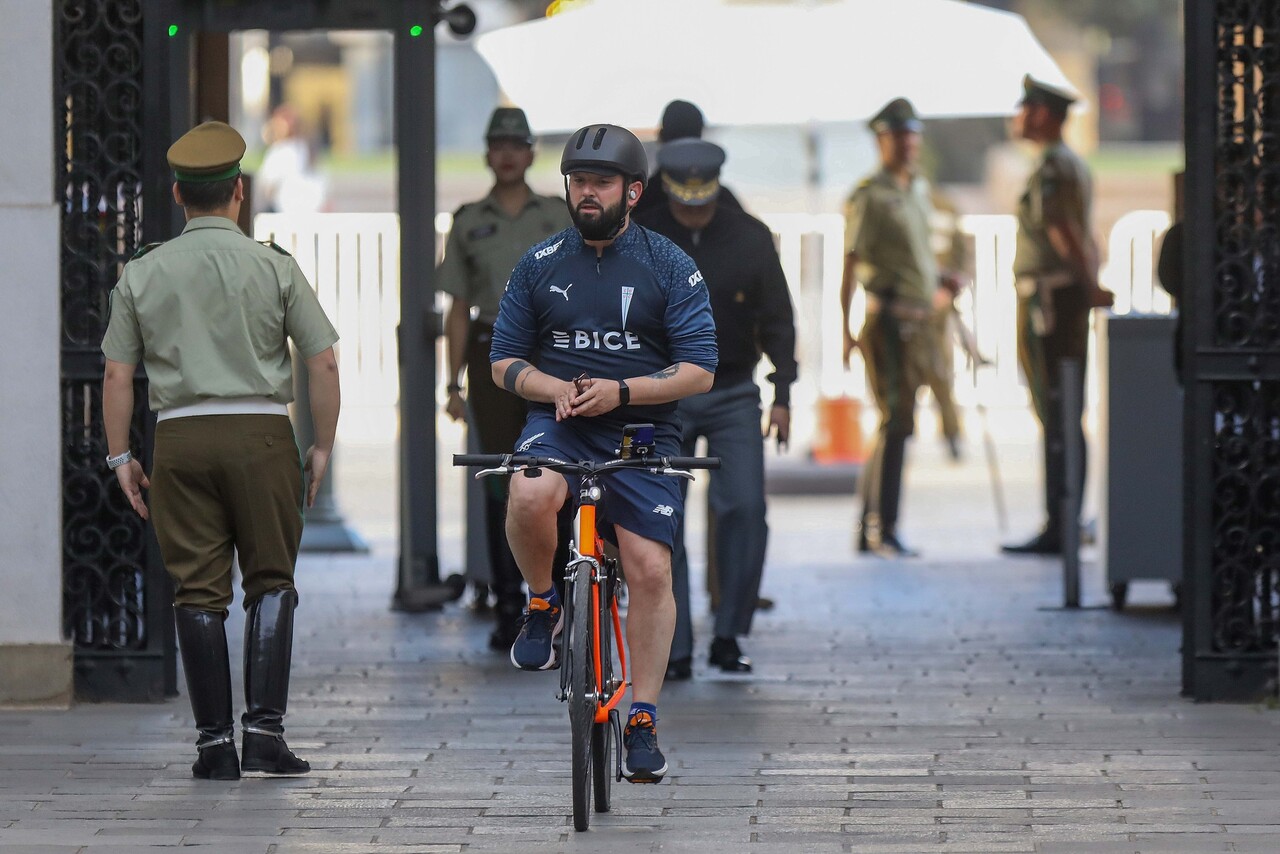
(599, 226)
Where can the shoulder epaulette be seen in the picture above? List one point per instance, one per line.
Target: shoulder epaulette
(271, 244)
(145, 249)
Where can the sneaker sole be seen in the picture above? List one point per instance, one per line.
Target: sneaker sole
(645, 776)
(553, 662)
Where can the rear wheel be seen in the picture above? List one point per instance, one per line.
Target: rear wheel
(582, 703)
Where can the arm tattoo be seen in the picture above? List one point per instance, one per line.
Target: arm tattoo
(666, 373)
(513, 374)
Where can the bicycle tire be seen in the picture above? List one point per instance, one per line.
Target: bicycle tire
(582, 704)
(603, 766)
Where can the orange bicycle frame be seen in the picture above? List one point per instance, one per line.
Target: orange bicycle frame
(591, 546)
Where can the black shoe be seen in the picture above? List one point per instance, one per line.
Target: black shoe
(645, 762)
(891, 547)
(680, 669)
(764, 603)
(502, 637)
(217, 762)
(1042, 543)
(953, 448)
(726, 655)
(269, 753)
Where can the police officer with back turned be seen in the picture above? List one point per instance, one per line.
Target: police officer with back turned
(210, 314)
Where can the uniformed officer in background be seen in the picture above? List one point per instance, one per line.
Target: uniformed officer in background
(487, 239)
(888, 250)
(1056, 274)
(210, 315)
(680, 120)
(752, 309)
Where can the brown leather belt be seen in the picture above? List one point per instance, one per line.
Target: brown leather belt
(897, 309)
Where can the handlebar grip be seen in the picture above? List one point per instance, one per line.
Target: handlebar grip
(477, 459)
(694, 462)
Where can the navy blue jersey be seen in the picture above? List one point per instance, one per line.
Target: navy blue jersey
(638, 308)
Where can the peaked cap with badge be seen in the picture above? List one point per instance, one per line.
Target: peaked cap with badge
(897, 115)
(1038, 92)
(509, 123)
(691, 170)
(208, 152)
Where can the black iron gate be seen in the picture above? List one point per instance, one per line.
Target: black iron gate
(114, 124)
(115, 593)
(1232, 349)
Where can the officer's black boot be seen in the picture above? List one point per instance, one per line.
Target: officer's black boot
(202, 640)
(891, 465)
(268, 651)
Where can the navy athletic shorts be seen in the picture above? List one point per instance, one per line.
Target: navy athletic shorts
(641, 502)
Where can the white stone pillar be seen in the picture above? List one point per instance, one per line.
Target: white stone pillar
(35, 660)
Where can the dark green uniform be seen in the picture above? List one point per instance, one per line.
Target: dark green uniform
(484, 246)
(887, 227)
(1053, 311)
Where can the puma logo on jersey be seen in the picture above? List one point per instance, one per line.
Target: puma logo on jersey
(543, 253)
(581, 339)
(564, 292)
(664, 509)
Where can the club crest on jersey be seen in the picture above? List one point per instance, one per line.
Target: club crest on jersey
(594, 339)
(627, 293)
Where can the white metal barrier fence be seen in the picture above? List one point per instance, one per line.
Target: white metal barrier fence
(353, 261)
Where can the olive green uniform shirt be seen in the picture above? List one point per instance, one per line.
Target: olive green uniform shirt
(888, 228)
(209, 315)
(485, 244)
(1059, 190)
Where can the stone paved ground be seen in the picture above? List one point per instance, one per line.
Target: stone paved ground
(939, 705)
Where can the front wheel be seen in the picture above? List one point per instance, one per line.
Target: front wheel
(582, 702)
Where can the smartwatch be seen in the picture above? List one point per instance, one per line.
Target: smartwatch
(114, 463)
(624, 393)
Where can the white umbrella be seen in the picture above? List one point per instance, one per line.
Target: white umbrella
(764, 62)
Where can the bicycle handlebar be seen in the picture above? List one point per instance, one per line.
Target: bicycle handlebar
(513, 462)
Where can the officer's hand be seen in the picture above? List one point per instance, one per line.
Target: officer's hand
(317, 465)
(850, 344)
(1099, 297)
(457, 406)
(942, 299)
(779, 426)
(598, 397)
(133, 480)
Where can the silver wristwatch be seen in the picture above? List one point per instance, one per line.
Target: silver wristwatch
(114, 463)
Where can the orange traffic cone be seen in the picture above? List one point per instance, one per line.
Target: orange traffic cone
(839, 435)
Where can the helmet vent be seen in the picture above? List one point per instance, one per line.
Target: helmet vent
(582, 138)
(599, 139)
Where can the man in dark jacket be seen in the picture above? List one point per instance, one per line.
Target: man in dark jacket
(752, 310)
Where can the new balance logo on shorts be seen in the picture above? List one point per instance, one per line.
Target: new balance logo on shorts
(665, 509)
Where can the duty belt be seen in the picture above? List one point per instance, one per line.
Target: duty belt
(896, 308)
(1028, 284)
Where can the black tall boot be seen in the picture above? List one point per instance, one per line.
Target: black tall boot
(202, 639)
(268, 652)
(892, 463)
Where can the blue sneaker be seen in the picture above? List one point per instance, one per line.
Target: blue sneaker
(645, 762)
(535, 646)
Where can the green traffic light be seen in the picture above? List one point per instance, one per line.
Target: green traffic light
(173, 30)
(415, 30)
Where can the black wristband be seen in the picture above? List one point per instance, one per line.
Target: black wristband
(624, 393)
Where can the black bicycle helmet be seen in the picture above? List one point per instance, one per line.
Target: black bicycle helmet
(605, 150)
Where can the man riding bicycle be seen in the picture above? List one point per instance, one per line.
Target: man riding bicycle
(601, 325)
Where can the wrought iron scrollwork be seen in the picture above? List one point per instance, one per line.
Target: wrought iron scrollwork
(1244, 586)
(98, 87)
(1245, 593)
